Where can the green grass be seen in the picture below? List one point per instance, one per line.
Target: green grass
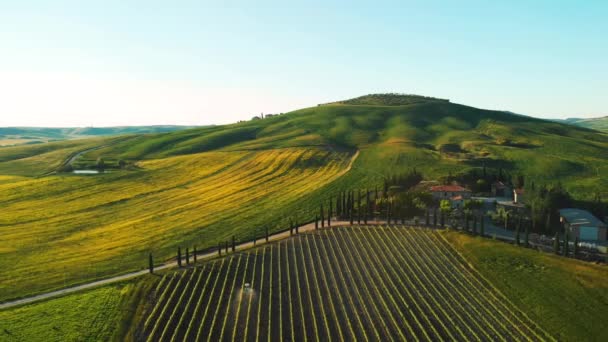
(100, 314)
(200, 186)
(569, 298)
(66, 229)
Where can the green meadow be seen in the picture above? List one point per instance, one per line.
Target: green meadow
(199, 187)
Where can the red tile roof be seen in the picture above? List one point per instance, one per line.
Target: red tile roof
(448, 188)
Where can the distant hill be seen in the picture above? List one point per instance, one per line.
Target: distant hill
(398, 132)
(600, 124)
(35, 135)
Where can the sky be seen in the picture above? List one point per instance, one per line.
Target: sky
(104, 63)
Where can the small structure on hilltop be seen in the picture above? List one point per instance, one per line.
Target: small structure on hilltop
(582, 224)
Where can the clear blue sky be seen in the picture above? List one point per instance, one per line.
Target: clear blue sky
(72, 63)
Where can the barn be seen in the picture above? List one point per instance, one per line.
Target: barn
(582, 224)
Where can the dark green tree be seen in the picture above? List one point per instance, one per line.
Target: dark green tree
(474, 224)
(233, 243)
(575, 251)
(219, 248)
(527, 235)
(322, 217)
(194, 254)
(556, 244)
(566, 247)
(179, 257)
(150, 264)
(266, 230)
(358, 206)
(187, 256)
(316, 222)
(329, 213)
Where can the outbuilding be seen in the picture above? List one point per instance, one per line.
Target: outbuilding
(583, 225)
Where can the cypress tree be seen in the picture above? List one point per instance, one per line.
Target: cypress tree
(556, 244)
(266, 234)
(194, 254)
(290, 228)
(226, 247)
(179, 256)
(233, 243)
(368, 205)
(187, 256)
(482, 226)
(329, 212)
(351, 217)
(150, 264)
(219, 248)
(322, 217)
(427, 220)
(297, 228)
(526, 236)
(316, 222)
(358, 206)
(474, 224)
(566, 247)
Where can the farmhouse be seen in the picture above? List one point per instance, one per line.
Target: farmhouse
(583, 225)
(448, 192)
(500, 189)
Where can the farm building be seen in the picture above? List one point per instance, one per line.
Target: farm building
(582, 224)
(441, 192)
(500, 189)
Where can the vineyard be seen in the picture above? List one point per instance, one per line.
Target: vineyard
(346, 283)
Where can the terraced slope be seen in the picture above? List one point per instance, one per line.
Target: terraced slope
(64, 229)
(348, 283)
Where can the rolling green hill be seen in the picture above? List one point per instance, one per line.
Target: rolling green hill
(396, 132)
(201, 186)
(600, 124)
(13, 136)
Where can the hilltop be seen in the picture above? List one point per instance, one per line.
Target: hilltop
(600, 124)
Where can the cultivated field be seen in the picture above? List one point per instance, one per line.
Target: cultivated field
(64, 229)
(349, 283)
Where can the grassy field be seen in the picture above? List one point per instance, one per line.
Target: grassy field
(351, 283)
(200, 186)
(567, 297)
(101, 314)
(67, 229)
